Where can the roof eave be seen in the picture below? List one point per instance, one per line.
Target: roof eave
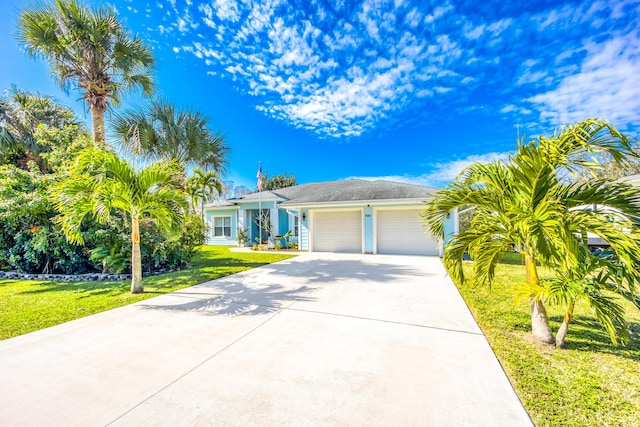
(376, 202)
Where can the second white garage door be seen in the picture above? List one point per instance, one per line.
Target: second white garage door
(400, 232)
(337, 231)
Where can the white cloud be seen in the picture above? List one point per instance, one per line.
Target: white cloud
(408, 179)
(441, 174)
(474, 32)
(340, 82)
(226, 10)
(341, 69)
(438, 12)
(606, 86)
(531, 77)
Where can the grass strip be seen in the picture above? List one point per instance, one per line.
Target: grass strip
(588, 383)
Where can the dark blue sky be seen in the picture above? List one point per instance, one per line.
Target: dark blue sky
(407, 90)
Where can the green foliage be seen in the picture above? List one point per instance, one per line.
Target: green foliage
(201, 187)
(242, 236)
(100, 184)
(526, 203)
(162, 132)
(89, 49)
(277, 181)
(29, 242)
(24, 117)
(590, 383)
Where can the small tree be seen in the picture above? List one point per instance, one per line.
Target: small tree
(263, 222)
(201, 187)
(526, 202)
(100, 184)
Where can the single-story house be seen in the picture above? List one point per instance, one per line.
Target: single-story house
(354, 215)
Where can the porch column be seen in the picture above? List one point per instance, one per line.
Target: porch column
(273, 215)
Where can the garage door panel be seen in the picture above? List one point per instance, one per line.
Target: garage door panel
(339, 231)
(400, 232)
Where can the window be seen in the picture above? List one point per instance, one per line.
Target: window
(222, 226)
(295, 225)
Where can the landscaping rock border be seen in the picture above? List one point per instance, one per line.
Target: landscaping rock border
(89, 277)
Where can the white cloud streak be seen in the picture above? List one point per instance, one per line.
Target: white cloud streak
(605, 86)
(441, 173)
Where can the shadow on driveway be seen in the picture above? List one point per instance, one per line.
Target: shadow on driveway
(271, 287)
(233, 299)
(359, 268)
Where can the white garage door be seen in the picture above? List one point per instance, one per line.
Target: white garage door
(339, 231)
(400, 232)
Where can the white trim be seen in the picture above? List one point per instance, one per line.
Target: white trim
(213, 228)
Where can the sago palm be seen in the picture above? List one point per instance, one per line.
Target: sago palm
(527, 202)
(100, 183)
(89, 49)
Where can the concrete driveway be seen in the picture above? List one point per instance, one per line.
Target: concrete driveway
(317, 340)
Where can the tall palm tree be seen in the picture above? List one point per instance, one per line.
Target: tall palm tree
(201, 186)
(162, 132)
(100, 183)
(21, 112)
(528, 203)
(89, 49)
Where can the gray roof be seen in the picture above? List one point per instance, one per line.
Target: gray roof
(219, 204)
(349, 190)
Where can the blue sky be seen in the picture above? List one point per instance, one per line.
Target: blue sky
(405, 90)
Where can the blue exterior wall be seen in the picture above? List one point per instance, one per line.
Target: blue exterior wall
(283, 222)
(219, 241)
(450, 227)
(304, 230)
(368, 229)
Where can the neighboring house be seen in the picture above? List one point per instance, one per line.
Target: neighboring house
(594, 241)
(337, 216)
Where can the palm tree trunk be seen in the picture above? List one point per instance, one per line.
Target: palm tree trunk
(540, 327)
(564, 327)
(97, 121)
(136, 259)
(202, 211)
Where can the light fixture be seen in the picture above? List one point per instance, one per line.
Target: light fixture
(304, 216)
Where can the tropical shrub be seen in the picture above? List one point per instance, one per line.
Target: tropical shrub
(30, 242)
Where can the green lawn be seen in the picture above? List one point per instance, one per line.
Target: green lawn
(589, 383)
(26, 306)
